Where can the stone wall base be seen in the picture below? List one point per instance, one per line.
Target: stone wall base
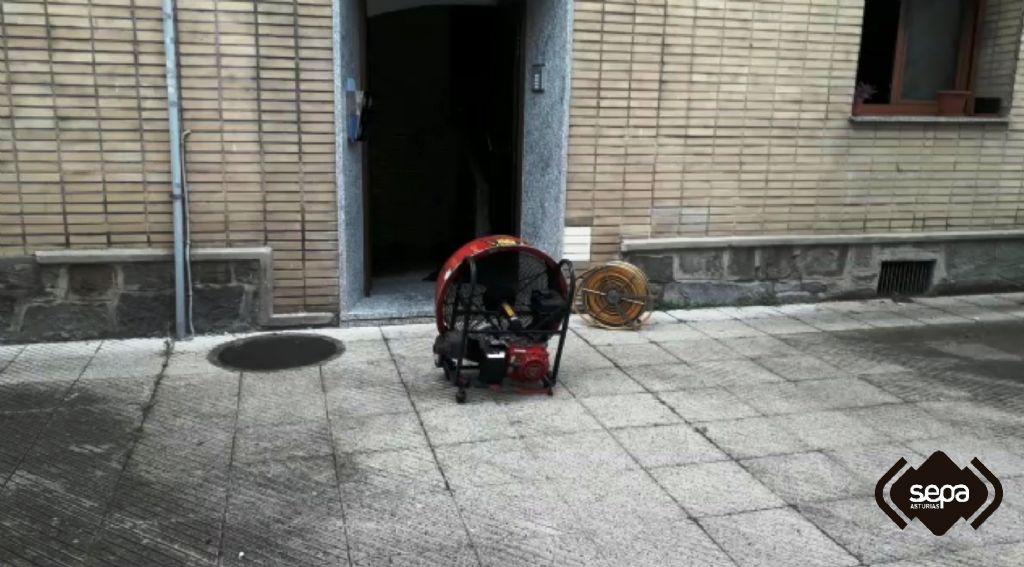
(765, 273)
(69, 301)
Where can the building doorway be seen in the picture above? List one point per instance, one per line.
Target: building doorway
(442, 136)
(460, 140)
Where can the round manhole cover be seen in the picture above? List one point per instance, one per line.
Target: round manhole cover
(276, 352)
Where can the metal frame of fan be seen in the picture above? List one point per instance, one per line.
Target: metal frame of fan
(615, 295)
(498, 302)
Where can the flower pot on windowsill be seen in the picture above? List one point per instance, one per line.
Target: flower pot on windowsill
(953, 103)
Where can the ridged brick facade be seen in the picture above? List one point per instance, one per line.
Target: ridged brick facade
(83, 131)
(688, 117)
(729, 117)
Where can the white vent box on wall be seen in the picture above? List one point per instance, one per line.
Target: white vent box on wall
(577, 243)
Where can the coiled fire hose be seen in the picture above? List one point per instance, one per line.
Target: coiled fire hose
(615, 295)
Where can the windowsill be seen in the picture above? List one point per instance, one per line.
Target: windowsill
(870, 119)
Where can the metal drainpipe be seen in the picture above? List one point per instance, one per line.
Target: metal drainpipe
(177, 184)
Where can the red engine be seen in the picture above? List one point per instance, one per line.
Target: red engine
(527, 363)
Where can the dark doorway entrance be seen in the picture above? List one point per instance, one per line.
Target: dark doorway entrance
(443, 136)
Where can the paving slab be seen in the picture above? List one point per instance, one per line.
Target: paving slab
(598, 382)
(715, 489)
(33, 396)
(832, 429)
(378, 433)
(661, 543)
(123, 365)
(669, 332)
(700, 350)
(902, 422)
(280, 398)
(759, 346)
(603, 337)
(703, 314)
(626, 356)
(581, 356)
(9, 353)
(780, 326)
(193, 366)
(856, 525)
(1001, 555)
(798, 367)
(733, 436)
(832, 322)
(630, 410)
(570, 550)
(914, 386)
(344, 402)
(884, 319)
(44, 369)
(411, 470)
(579, 455)
(501, 461)
(541, 416)
(665, 445)
(775, 537)
(707, 404)
(804, 477)
(736, 372)
(628, 500)
(970, 309)
(49, 351)
(726, 329)
(516, 512)
(384, 527)
(753, 437)
(1004, 457)
(668, 377)
(282, 442)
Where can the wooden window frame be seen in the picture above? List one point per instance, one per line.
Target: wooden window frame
(965, 74)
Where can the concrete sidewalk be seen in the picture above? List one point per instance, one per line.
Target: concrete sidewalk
(734, 436)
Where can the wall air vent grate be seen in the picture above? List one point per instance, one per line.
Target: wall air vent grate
(905, 278)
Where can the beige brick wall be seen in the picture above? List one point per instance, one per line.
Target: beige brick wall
(83, 131)
(689, 117)
(728, 117)
(257, 94)
(83, 125)
(998, 48)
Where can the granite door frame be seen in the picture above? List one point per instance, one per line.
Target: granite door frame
(545, 138)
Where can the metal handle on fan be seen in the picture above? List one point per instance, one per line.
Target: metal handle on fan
(562, 265)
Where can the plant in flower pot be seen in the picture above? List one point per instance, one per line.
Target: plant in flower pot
(953, 103)
(861, 93)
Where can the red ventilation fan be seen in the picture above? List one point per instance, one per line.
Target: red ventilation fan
(499, 301)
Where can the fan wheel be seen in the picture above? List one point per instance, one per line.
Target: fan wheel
(615, 295)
